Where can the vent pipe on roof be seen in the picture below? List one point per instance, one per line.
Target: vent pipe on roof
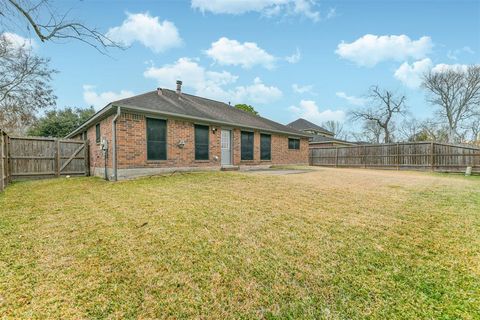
(179, 86)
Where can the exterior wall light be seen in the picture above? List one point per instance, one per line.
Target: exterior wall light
(181, 144)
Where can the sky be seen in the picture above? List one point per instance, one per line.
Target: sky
(287, 58)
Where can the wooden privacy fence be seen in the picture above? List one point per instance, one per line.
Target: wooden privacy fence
(34, 157)
(407, 156)
(4, 173)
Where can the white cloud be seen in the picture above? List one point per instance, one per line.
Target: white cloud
(212, 84)
(232, 52)
(371, 49)
(99, 100)
(305, 7)
(150, 31)
(309, 110)
(257, 92)
(443, 67)
(411, 74)
(18, 41)
(268, 8)
(356, 101)
(294, 58)
(193, 75)
(302, 89)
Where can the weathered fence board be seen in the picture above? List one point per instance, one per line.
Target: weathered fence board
(407, 156)
(25, 158)
(4, 173)
(32, 157)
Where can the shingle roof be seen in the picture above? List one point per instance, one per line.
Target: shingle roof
(302, 125)
(183, 105)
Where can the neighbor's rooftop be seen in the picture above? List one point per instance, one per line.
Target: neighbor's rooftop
(303, 125)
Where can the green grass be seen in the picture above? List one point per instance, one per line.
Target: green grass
(332, 244)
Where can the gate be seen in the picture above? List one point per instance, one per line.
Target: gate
(35, 157)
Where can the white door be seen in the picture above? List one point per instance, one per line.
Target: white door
(226, 147)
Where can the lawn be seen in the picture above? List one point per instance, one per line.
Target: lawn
(332, 244)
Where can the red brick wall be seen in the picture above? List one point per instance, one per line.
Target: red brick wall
(280, 152)
(95, 152)
(132, 146)
(282, 155)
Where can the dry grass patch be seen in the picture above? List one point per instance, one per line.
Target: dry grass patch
(330, 244)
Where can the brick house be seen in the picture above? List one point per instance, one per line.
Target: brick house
(319, 136)
(166, 130)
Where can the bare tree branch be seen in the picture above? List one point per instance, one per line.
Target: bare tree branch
(58, 28)
(334, 127)
(24, 86)
(457, 93)
(384, 106)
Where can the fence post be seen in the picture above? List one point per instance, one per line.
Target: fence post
(2, 166)
(336, 157)
(398, 157)
(364, 156)
(432, 156)
(87, 158)
(8, 162)
(57, 157)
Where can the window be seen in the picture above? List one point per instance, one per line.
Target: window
(201, 142)
(97, 133)
(265, 147)
(247, 145)
(293, 143)
(156, 139)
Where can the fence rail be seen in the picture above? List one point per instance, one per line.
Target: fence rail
(400, 156)
(25, 158)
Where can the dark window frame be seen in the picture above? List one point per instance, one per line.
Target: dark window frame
(263, 154)
(198, 156)
(161, 158)
(98, 133)
(293, 144)
(244, 155)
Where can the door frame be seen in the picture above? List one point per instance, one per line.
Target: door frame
(231, 146)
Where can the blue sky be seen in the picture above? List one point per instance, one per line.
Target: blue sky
(288, 58)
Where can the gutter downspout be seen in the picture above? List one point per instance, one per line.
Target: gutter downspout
(114, 144)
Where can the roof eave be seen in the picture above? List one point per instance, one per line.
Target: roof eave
(182, 116)
(108, 107)
(89, 121)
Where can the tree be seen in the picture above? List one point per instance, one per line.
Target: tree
(409, 130)
(457, 93)
(384, 106)
(473, 128)
(49, 24)
(335, 127)
(246, 107)
(372, 132)
(59, 123)
(24, 86)
(431, 130)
